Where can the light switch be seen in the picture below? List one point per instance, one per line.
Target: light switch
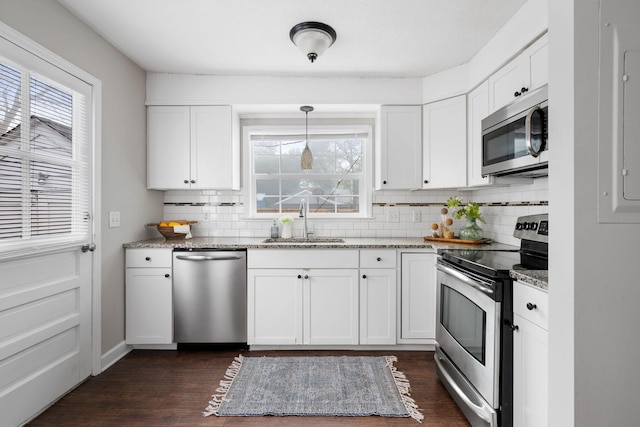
(114, 219)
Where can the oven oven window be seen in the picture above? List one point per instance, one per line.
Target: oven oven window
(465, 321)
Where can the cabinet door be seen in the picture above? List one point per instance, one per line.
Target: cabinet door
(399, 154)
(477, 109)
(510, 79)
(538, 60)
(418, 294)
(214, 158)
(330, 306)
(445, 143)
(274, 310)
(530, 368)
(168, 147)
(377, 306)
(149, 314)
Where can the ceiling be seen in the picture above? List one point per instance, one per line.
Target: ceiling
(375, 38)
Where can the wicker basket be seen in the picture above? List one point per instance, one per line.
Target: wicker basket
(168, 233)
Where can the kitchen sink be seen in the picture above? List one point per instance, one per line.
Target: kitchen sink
(302, 240)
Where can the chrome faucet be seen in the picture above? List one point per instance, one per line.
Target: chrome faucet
(304, 212)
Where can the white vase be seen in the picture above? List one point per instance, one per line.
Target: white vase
(286, 230)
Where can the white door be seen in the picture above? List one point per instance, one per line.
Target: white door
(46, 182)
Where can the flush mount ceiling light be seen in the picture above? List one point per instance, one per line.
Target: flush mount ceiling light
(306, 159)
(312, 38)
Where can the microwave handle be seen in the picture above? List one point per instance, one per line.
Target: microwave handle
(527, 131)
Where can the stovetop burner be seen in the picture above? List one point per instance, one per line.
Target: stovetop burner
(497, 263)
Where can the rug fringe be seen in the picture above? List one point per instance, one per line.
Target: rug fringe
(224, 386)
(405, 389)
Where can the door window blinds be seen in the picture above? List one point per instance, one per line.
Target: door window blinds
(44, 156)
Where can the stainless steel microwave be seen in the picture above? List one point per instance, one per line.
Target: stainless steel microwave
(514, 138)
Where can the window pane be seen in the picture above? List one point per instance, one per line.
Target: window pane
(50, 199)
(10, 197)
(10, 106)
(51, 113)
(266, 164)
(349, 156)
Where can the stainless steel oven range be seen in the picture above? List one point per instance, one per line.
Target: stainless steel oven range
(474, 350)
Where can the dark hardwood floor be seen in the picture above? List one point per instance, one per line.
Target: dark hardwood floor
(172, 388)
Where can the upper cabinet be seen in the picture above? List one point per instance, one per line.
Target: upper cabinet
(445, 143)
(477, 109)
(399, 148)
(192, 147)
(528, 71)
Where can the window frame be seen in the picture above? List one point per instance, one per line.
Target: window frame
(365, 187)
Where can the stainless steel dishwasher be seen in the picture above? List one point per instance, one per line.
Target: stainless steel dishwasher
(209, 296)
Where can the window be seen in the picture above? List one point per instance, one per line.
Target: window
(43, 159)
(335, 187)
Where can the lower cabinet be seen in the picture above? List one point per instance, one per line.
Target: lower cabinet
(530, 356)
(148, 313)
(378, 292)
(302, 306)
(418, 296)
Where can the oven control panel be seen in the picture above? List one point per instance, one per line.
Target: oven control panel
(533, 227)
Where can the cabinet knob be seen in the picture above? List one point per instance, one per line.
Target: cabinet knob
(516, 94)
(384, 182)
(186, 181)
(299, 276)
(531, 306)
(364, 276)
(167, 275)
(426, 181)
(193, 181)
(514, 327)
(306, 276)
(524, 90)
(378, 259)
(147, 258)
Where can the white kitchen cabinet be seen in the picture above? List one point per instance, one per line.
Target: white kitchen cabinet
(399, 148)
(302, 297)
(529, 70)
(477, 109)
(378, 277)
(149, 313)
(274, 306)
(418, 296)
(530, 356)
(192, 147)
(444, 149)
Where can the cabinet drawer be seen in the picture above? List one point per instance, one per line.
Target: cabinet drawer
(148, 258)
(531, 303)
(377, 258)
(302, 258)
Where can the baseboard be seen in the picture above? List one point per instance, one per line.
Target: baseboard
(396, 347)
(112, 356)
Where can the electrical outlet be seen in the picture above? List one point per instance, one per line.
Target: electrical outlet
(393, 215)
(114, 219)
(416, 215)
(206, 216)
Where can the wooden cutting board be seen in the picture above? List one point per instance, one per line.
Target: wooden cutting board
(470, 242)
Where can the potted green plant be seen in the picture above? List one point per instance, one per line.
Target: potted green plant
(287, 225)
(471, 212)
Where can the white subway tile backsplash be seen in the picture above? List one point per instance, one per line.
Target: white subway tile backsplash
(227, 219)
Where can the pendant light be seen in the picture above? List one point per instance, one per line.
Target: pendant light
(312, 38)
(306, 160)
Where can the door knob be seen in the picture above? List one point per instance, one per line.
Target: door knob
(88, 248)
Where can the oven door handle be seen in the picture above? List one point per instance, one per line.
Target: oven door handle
(487, 290)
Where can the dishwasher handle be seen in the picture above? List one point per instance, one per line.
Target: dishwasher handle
(224, 257)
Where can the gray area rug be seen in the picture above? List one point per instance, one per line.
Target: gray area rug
(314, 386)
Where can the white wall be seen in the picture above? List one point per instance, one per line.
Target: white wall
(593, 327)
(123, 139)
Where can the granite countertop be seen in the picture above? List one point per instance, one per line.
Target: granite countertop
(537, 278)
(258, 242)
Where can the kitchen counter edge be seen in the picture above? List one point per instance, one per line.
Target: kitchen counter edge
(258, 243)
(536, 278)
